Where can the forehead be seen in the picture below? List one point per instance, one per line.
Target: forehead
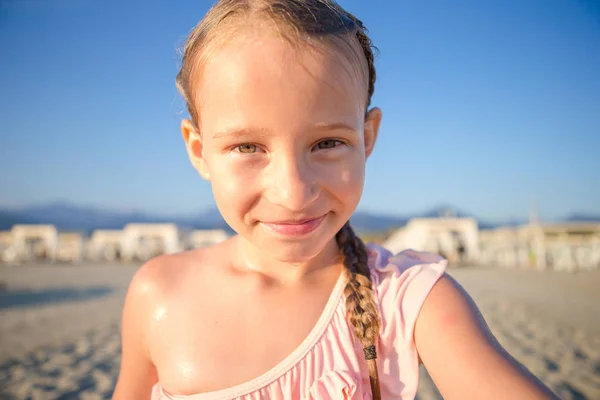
(265, 82)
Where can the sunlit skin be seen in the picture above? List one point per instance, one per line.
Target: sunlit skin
(282, 136)
(282, 141)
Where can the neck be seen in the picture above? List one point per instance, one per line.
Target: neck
(251, 258)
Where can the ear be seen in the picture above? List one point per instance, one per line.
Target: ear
(195, 150)
(372, 122)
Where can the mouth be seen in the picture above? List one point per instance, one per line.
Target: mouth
(295, 228)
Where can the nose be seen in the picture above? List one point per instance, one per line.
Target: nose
(293, 182)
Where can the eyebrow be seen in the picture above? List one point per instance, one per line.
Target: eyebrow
(240, 132)
(244, 132)
(336, 126)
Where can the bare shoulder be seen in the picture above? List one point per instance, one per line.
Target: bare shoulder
(158, 274)
(171, 279)
(449, 307)
(462, 355)
(153, 280)
(154, 284)
(162, 275)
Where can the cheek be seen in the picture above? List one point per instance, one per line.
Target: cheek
(346, 180)
(234, 185)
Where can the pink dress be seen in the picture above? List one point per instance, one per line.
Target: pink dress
(329, 364)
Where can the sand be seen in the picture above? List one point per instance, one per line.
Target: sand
(59, 328)
(549, 321)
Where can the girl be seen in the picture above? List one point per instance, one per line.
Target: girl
(295, 306)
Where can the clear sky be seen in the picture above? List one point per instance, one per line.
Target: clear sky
(487, 104)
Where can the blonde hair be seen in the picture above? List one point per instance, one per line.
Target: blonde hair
(301, 21)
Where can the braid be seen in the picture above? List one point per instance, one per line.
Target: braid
(361, 310)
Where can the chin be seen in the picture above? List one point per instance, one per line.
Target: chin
(296, 252)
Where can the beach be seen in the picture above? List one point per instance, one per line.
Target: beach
(60, 327)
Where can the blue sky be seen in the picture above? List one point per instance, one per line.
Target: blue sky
(487, 105)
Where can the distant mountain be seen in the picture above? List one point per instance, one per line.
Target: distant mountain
(578, 217)
(368, 222)
(8, 219)
(445, 210)
(69, 217)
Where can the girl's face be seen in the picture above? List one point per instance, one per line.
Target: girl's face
(283, 140)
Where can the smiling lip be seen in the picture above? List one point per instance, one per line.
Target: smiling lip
(295, 228)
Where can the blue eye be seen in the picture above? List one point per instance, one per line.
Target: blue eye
(328, 144)
(246, 148)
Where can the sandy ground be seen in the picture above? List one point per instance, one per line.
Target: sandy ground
(59, 328)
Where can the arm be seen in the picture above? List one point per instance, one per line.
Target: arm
(137, 374)
(461, 354)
